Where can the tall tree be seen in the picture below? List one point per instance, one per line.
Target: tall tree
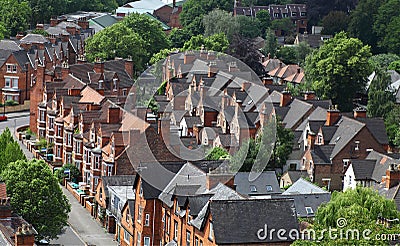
(193, 11)
(9, 150)
(339, 69)
(216, 154)
(285, 25)
(392, 125)
(335, 22)
(15, 16)
(42, 10)
(217, 42)
(361, 21)
(271, 44)
(380, 96)
(385, 23)
(36, 196)
(248, 27)
(218, 21)
(117, 40)
(395, 65)
(382, 61)
(265, 20)
(178, 37)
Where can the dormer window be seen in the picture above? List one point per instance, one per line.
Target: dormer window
(253, 188)
(269, 188)
(101, 84)
(309, 210)
(294, 13)
(115, 84)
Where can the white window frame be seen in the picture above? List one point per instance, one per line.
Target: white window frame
(126, 236)
(146, 241)
(147, 219)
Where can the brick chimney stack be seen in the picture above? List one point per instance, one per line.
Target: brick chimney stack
(332, 115)
(212, 69)
(98, 66)
(164, 130)
(188, 57)
(392, 175)
(129, 66)
(309, 95)
(245, 86)
(113, 116)
(360, 113)
(285, 98)
(25, 236)
(311, 140)
(64, 70)
(220, 175)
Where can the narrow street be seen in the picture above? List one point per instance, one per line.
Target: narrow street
(83, 229)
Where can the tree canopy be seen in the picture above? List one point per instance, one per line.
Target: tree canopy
(381, 97)
(9, 150)
(37, 197)
(216, 154)
(218, 21)
(137, 36)
(15, 16)
(339, 69)
(335, 22)
(356, 210)
(217, 42)
(178, 37)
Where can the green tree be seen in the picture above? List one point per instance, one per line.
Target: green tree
(271, 44)
(354, 209)
(218, 21)
(9, 150)
(302, 51)
(386, 26)
(273, 145)
(382, 61)
(393, 126)
(217, 153)
(361, 21)
(287, 54)
(37, 197)
(15, 16)
(217, 42)
(117, 40)
(395, 65)
(335, 22)
(380, 96)
(248, 27)
(285, 25)
(265, 20)
(73, 175)
(193, 11)
(3, 31)
(162, 54)
(339, 69)
(178, 37)
(150, 31)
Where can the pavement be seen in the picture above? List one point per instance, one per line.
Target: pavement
(83, 230)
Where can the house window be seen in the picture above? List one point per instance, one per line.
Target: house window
(168, 224)
(357, 145)
(140, 213)
(211, 233)
(253, 188)
(127, 237)
(11, 68)
(319, 140)
(139, 237)
(59, 131)
(309, 210)
(349, 179)
(187, 238)
(127, 216)
(146, 241)
(303, 14)
(175, 231)
(147, 220)
(269, 188)
(294, 13)
(51, 123)
(346, 162)
(276, 15)
(124, 92)
(196, 242)
(140, 190)
(115, 84)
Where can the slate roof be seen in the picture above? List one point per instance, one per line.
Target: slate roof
(297, 110)
(377, 128)
(229, 218)
(244, 184)
(319, 114)
(391, 194)
(296, 175)
(382, 163)
(4, 54)
(104, 20)
(271, 64)
(10, 45)
(301, 201)
(34, 38)
(363, 169)
(302, 186)
(192, 121)
(117, 180)
(321, 154)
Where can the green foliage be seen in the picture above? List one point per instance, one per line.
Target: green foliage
(37, 197)
(178, 37)
(265, 20)
(285, 25)
(395, 65)
(3, 31)
(295, 54)
(339, 69)
(117, 40)
(220, 21)
(387, 26)
(273, 146)
(217, 42)
(335, 22)
(361, 21)
(393, 126)
(41, 32)
(381, 97)
(217, 153)
(9, 150)
(74, 173)
(11, 103)
(271, 44)
(15, 16)
(193, 11)
(249, 27)
(150, 31)
(360, 208)
(153, 105)
(382, 61)
(162, 54)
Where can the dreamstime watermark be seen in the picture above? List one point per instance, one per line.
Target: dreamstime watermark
(340, 232)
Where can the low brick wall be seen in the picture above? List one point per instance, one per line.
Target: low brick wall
(17, 108)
